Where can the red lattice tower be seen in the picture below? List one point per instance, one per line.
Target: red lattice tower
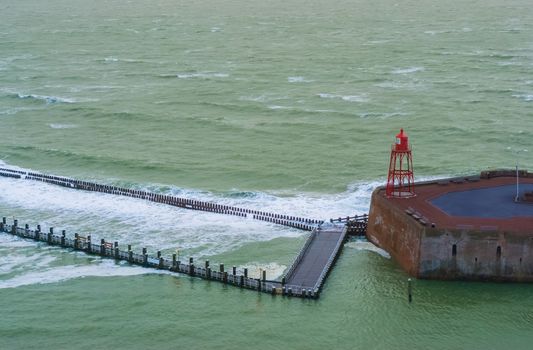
(401, 180)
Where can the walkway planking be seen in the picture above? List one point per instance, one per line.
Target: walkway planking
(310, 268)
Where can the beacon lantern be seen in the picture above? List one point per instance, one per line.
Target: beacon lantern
(400, 181)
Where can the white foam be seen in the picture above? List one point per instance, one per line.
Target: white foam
(62, 126)
(349, 98)
(47, 99)
(102, 268)
(408, 70)
(298, 80)
(525, 97)
(364, 245)
(255, 270)
(204, 75)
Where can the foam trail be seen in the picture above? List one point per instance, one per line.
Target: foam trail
(364, 245)
(104, 268)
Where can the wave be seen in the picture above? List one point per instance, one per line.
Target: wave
(196, 75)
(525, 97)
(298, 80)
(47, 99)
(104, 268)
(364, 245)
(349, 98)
(408, 70)
(62, 126)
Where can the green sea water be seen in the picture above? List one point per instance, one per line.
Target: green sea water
(282, 106)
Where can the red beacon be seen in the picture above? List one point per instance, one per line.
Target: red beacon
(401, 181)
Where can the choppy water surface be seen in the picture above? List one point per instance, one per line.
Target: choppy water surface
(286, 106)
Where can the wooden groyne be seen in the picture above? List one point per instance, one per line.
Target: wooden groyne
(304, 278)
(279, 219)
(112, 250)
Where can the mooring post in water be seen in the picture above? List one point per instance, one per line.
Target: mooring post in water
(76, 241)
(264, 275)
(14, 228)
(102, 247)
(245, 272)
(89, 244)
(174, 261)
(49, 236)
(158, 254)
(63, 235)
(222, 268)
(117, 251)
(409, 290)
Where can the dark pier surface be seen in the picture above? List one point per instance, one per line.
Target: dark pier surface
(315, 260)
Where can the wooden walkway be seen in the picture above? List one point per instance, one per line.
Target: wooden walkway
(310, 268)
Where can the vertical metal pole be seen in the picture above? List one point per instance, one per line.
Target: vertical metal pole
(409, 290)
(517, 195)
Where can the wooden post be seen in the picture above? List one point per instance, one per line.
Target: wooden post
(89, 244)
(191, 266)
(264, 275)
(27, 229)
(158, 254)
(234, 270)
(102, 247)
(206, 264)
(145, 258)
(246, 272)
(76, 241)
(63, 234)
(174, 261)
(222, 268)
(14, 227)
(117, 251)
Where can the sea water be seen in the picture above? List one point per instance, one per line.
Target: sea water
(281, 106)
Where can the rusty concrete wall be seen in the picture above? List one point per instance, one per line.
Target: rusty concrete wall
(395, 232)
(426, 252)
(478, 255)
